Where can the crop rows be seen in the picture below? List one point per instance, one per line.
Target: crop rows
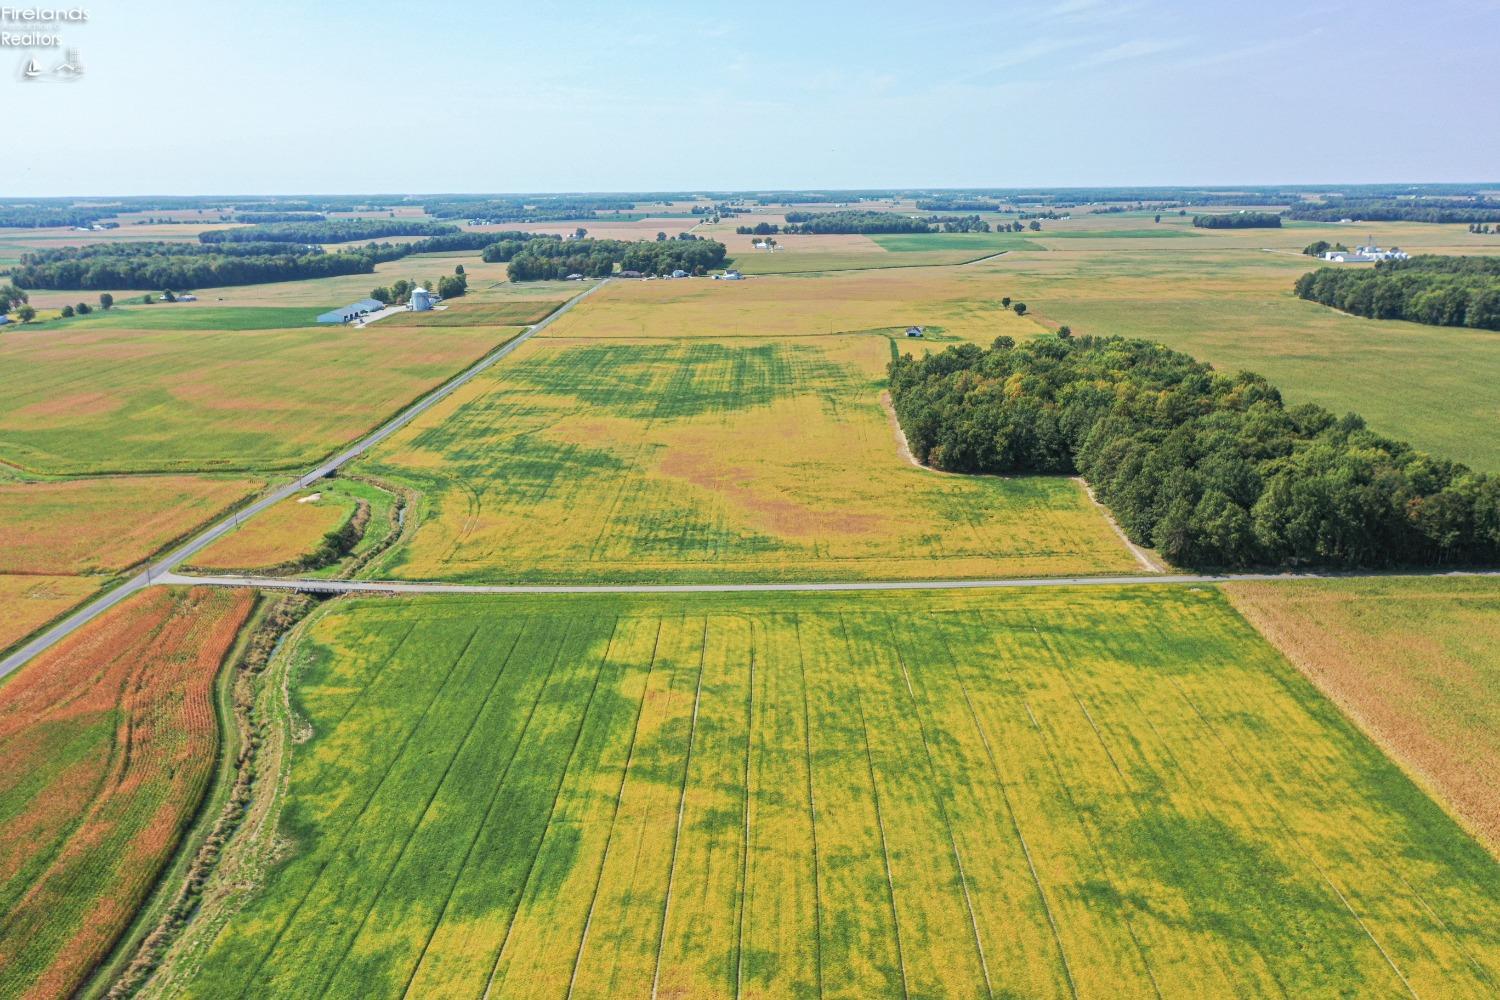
(109, 743)
(694, 459)
(1060, 794)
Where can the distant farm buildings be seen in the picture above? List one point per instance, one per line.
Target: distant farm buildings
(914, 331)
(351, 312)
(730, 275)
(1365, 254)
(421, 300)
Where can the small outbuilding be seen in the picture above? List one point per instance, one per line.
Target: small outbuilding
(421, 300)
(352, 311)
(914, 331)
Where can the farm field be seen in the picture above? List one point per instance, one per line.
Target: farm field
(84, 400)
(504, 312)
(1046, 793)
(1430, 385)
(953, 303)
(1413, 662)
(106, 524)
(32, 600)
(697, 459)
(109, 743)
(286, 531)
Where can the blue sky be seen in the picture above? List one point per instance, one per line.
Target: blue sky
(336, 96)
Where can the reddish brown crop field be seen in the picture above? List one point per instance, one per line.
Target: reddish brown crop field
(109, 742)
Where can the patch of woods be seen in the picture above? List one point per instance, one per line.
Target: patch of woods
(177, 265)
(1333, 209)
(327, 231)
(1213, 470)
(1438, 291)
(534, 258)
(1238, 220)
(856, 222)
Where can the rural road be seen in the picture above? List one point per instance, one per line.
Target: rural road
(162, 566)
(417, 587)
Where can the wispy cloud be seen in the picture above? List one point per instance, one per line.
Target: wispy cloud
(1138, 48)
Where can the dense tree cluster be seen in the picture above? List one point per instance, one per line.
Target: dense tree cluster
(38, 216)
(549, 257)
(187, 265)
(1438, 291)
(261, 218)
(854, 221)
(959, 223)
(759, 229)
(1238, 220)
(1476, 209)
(1212, 469)
(956, 205)
(541, 208)
(327, 231)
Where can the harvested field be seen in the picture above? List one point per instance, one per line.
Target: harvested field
(1047, 793)
(1414, 662)
(31, 601)
(958, 303)
(106, 524)
(289, 530)
(109, 742)
(85, 400)
(695, 460)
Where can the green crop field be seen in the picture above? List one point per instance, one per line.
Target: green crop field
(86, 398)
(1433, 386)
(1101, 792)
(692, 459)
(187, 316)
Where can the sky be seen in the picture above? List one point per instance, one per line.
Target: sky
(331, 96)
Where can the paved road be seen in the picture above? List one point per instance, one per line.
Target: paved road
(414, 587)
(174, 558)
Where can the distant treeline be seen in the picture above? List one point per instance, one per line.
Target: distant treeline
(548, 257)
(184, 265)
(27, 217)
(1438, 291)
(1211, 469)
(541, 208)
(260, 218)
(956, 205)
(854, 221)
(179, 266)
(1238, 220)
(1476, 209)
(327, 231)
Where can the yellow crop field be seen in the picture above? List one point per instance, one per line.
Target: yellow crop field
(1048, 793)
(1413, 662)
(32, 600)
(689, 459)
(290, 529)
(108, 523)
(962, 303)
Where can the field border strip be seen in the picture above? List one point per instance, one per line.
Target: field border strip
(609, 839)
(885, 852)
(583, 718)
(963, 878)
(426, 807)
(354, 822)
(687, 765)
(489, 809)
